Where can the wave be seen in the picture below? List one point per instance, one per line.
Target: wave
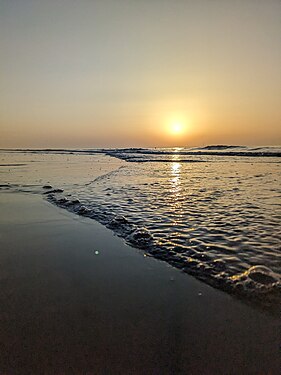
(140, 154)
(171, 155)
(258, 284)
(221, 147)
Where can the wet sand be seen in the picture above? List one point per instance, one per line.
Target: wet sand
(74, 299)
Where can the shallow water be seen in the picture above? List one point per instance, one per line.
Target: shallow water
(215, 216)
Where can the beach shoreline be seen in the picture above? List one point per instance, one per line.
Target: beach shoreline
(75, 299)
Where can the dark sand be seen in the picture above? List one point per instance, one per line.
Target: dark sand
(66, 310)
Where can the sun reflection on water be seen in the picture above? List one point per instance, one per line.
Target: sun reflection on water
(175, 179)
(176, 193)
(175, 170)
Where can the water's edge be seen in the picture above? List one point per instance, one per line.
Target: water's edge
(258, 286)
(216, 219)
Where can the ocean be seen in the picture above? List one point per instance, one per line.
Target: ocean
(213, 212)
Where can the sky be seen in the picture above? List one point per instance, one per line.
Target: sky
(139, 73)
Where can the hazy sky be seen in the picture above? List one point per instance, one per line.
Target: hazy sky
(89, 73)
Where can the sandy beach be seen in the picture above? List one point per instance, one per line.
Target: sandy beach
(75, 299)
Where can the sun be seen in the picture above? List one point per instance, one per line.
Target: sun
(176, 128)
(176, 125)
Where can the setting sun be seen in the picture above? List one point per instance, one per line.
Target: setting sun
(177, 128)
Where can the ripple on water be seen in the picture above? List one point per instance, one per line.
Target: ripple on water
(206, 226)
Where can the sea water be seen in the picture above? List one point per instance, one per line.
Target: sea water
(213, 212)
